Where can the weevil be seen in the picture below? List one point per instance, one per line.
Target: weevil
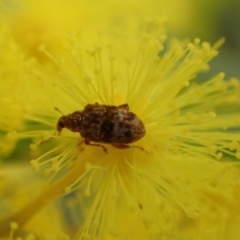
(115, 125)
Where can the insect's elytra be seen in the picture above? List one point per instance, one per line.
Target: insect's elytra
(115, 125)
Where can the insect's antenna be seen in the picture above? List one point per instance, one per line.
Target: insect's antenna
(55, 108)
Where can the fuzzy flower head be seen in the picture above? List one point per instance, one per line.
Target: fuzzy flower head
(189, 130)
(11, 70)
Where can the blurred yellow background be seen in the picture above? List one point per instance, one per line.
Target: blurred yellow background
(208, 20)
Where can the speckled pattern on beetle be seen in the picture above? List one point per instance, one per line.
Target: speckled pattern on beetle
(114, 125)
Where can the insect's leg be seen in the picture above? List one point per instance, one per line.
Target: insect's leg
(42, 142)
(88, 142)
(79, 144)
(125, 106)
(123, 146)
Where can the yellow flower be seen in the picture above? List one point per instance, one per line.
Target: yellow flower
(43, 22)
(36, 22)
(192, 134)
(16, 192)
(11, 70)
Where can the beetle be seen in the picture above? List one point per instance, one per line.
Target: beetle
(115, 125)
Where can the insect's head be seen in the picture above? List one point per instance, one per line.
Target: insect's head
(71, 121)
(61, 124)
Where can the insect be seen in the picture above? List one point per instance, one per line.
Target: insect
(97, 123)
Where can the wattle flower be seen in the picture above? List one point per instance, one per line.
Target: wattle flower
(192, 132)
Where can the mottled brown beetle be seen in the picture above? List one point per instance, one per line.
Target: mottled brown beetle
(114, 125)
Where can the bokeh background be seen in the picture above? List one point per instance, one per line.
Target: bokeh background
(187, 19)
